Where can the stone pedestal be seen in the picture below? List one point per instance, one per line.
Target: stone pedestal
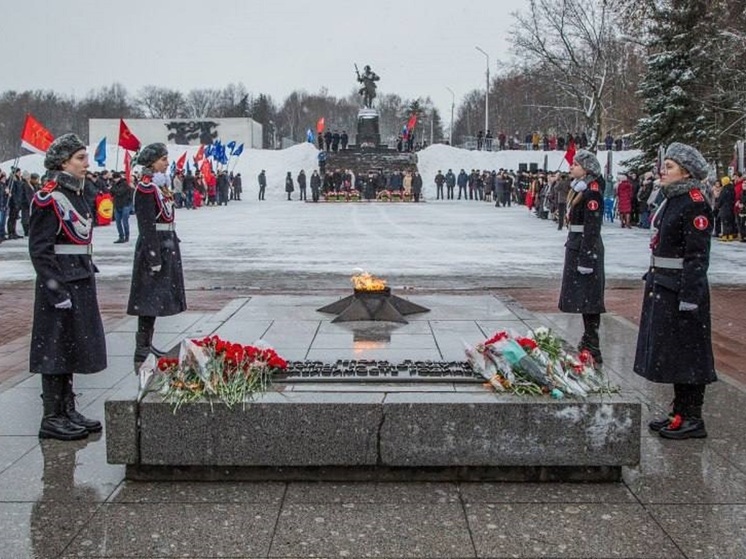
(368, 130)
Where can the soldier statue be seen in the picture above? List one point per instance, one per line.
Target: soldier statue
(368, 91)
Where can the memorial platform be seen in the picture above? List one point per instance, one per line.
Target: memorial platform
(374, 430)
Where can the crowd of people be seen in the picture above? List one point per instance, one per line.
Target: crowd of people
(190, 190)
(535, 141)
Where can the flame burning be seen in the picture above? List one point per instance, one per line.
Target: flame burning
(367, 282)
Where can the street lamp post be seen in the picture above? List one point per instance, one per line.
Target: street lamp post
(453, 104)
(486, 93)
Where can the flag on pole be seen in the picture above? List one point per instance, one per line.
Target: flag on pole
(127, 139)
(128, 167)
(206, 170)
(181, 161)
(200, 155)
(570, 153)
(320, 125)
(172, 168)
(231, 145)
(239, 151)
(188, 168)
(412, 122)
(35, 137)
(99, 156)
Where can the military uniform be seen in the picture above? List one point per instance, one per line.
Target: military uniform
(64, 341)
(584, 293)
(156, 293)
(678, 273)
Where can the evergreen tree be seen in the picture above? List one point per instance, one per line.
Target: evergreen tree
(677, 88)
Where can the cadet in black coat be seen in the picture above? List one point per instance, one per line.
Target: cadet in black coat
(157, 287)
(289, 184)
(583, 278)
(67, 335)
(302, 184)
(674, 344)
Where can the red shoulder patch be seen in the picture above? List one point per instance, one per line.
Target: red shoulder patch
(146, 179)
(696, 195)
(48, 187)
(592, 205)
(701, 222)
(594, 186)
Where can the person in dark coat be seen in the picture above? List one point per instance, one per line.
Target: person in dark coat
(561, 192)
(344, 139)
(583, 278)
(440, 180)
(315, 185)
(289, 185)
(15, 203)
(416, 186)
(157, 287)
(674, 344)
(302, 184)
(262, 178)
(450, 183)
(462, 181)
(237, 187)
(67, 335)
(122, 194)
(224, 187)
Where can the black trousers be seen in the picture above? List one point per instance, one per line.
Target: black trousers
(688, 399)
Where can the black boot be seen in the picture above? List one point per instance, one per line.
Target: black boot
(142, 349)
(681, 427)
(77, 418)
(55, 424)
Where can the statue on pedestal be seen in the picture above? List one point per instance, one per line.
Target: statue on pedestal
(368, 91)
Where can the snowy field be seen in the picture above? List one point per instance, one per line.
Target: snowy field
(435, 245)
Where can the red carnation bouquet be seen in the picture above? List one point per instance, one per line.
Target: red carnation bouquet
(212, 369)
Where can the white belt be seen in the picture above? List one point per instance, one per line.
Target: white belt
(73, 249)
(164, 226)
(576, 228)
(667, 263)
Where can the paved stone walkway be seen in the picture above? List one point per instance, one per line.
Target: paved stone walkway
(686, 499)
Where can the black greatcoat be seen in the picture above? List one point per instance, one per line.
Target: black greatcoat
(156, 293)
(584, 293)
(64, 341)
(675, 346)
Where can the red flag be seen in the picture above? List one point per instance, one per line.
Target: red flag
(412, 122)
(570, 153)
(200, 155)
(181, 162)
(126, 138)
(206, 171)
(127, 167)
(320, 125)
(35, 137)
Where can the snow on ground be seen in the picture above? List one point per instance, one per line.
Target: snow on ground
(281, 244)
(439, 244)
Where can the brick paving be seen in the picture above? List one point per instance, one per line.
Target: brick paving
(728, 314)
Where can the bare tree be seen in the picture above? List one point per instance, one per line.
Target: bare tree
(161, 102)
(571, 38)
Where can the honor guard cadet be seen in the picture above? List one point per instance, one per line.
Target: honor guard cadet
(67, 336)
(157, 287)
(674, 344)
(583, 277)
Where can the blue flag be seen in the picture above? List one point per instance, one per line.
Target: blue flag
(309, 136)
(209, 150)
(99, 156)
(172, 170)
(188, 168)
(231, 145)
(239, 151)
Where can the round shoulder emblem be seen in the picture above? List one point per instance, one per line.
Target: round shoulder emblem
(592, 205)
(701, 222)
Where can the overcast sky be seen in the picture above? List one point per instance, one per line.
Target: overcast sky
(418, 47)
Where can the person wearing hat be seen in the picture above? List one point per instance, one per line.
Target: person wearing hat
(262, 179)
(157, 287)
(674, 344)
(583, 277)
(67, 336)
(725, 205)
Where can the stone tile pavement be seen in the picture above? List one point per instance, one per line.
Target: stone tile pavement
(686, 499)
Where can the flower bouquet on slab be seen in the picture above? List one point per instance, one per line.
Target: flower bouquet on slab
(211, 369)
(537, 363)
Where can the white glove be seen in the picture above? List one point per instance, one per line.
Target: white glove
(585, 271)
(156, 268)
(66, 304)
(685, 307)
